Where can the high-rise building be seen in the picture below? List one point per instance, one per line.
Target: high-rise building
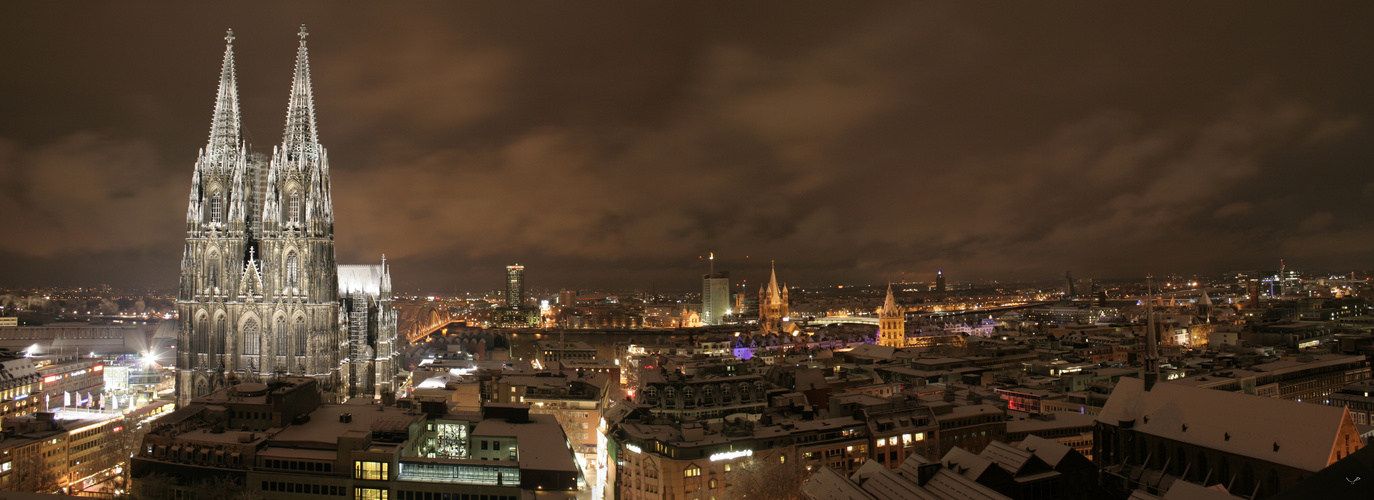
(715, 297)
(259, 281)
(567, 298)
(940, 281)
(1069, 290)
(515, 286)
(891, 322)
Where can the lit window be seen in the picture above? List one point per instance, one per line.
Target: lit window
(371, 470)
(369, 494)
(692, 471)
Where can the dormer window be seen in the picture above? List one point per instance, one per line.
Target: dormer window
(217, 207)
(295, 207)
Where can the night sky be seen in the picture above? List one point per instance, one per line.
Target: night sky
(611, 145)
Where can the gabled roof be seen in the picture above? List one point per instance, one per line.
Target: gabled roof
(826, 484)
(948, 485)
(1052, 452)
(1284, 432)
(1007, 457)
(965, 463)
(363, 278)
(882, 483)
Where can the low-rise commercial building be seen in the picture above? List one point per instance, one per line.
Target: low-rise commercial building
(276, 440)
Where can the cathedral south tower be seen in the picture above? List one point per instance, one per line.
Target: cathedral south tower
(259, 282)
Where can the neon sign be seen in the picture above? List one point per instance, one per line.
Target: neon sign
(731, 455)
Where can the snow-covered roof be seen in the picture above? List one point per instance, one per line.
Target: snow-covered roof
(883, 483)
(1052, 452)
(365, 278)
(826, 484)
(1300, 435)
(965, 463)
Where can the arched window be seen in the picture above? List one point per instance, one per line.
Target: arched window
(651, 396)
(669, 397)
(212, 271)
(295, 207)
(221, 331)
(217, 207)
(199, 333)
(300, 336)
(283, 337)
(291, 270)
(251, 337)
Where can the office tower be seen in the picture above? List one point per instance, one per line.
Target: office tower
(515, 286)
(715, 297)
(567, 298)
(939, 282)
(1068, 285)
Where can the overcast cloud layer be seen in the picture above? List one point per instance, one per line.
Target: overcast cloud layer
(613, 144)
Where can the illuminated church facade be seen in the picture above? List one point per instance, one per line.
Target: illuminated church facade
(261, 293)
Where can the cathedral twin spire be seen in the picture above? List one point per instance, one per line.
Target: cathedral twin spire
(225, 135)
(301, 137)
(223, 186)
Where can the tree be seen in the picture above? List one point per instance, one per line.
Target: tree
(32, 474)
(771, 479)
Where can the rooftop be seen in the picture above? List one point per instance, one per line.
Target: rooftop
(1277, 430)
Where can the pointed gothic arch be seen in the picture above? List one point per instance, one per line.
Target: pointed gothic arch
(292, 270)
(216, 214)
(200, 329)
(212, 270)
(281, 337)
(294, 206)
(299, 335)
(252, 335)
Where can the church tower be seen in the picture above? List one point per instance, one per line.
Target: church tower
(218, 244)
(299, 269)
(772, 305)
(259, 282)
(891, 322)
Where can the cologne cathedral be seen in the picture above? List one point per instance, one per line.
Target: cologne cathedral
(261, 293)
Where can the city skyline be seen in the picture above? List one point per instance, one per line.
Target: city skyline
(614, 148)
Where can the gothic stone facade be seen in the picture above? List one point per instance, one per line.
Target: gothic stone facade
(259, 284)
